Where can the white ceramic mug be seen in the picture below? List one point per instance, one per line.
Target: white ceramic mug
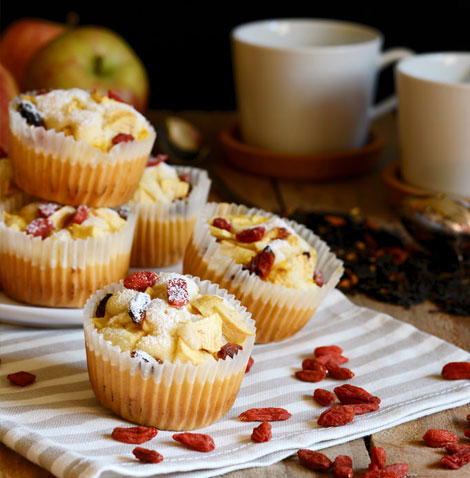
(305, 85)
(434, 121)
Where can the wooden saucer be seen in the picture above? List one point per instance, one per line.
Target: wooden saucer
(301, 166)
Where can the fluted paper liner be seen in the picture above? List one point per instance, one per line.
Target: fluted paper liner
(62, 273)
(163, 230)
(279, 312)
(169, 396)
(58, 168)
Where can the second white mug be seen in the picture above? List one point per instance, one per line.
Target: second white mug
(306, 86)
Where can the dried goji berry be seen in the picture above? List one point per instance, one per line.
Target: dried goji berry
(268, 414)
(135, 435)
(48, 209)
(313, 460)
(452, 448)
(336, 416)
(115, 96)
(250, 363)
(229, 350)
(456, 371)
(342, 467)
(101, 307)
(122, 138)
(328, 350)
(21, 379)
(318, 278)
(80, 215)
(334, 358)
(457, 460)
(282, 233)
(435, 438)
(340, 373)
(262, 433)
(361, 408)
(323, 397)
(195, 441)
(397, 470)
(313, 364)
(156, 160)
(310, 375)
(222, 223)
(378, 456)
(349, 394)
(40, 227)
(335, 220)
(178, 294)
(146, 455)
(140, 280)
(253, 234)
(262, 263)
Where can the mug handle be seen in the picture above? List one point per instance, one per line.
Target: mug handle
(388, 104)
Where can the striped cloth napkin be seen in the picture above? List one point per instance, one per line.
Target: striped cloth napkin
(58, 424)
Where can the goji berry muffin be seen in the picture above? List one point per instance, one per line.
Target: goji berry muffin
(57, 256)
(167, 350)
(278, 269)
(78, 147)
(167, 203)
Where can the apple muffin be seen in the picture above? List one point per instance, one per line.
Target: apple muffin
(167, 203)
(279, 270)
(78, 147)
(167, 350)
(57, 256)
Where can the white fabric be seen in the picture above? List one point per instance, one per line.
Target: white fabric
(58, 423)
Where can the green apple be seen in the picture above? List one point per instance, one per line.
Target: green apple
(90, 57)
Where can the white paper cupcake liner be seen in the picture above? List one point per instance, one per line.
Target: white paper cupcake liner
(62, 273)
(163, 230)
(169, 396)
(59, 168)
(279, 312)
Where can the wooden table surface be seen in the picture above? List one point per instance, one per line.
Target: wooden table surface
(402, 443)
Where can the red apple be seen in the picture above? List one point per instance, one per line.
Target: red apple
(90, 58)
(8, 90)
(20, 42)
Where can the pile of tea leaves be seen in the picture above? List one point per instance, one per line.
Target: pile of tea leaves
(386, 265)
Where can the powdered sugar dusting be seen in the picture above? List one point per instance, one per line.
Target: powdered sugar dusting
(138, 306)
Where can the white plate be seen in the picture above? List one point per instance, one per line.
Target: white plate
(13, 312)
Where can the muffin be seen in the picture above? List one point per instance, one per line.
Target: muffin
(57, 256)
(11, 198)
(76, 147)
(279, 270)
(167, 203)
(167, 350)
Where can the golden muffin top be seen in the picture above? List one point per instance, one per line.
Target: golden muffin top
(267, 247)
(58, 222)
(165, 317)
(160, 183)
(100, 120)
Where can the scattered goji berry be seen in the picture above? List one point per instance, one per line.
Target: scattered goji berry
(222, 223)
(313, 364)
(250, 363)
(156, 160)
(268, 414)
(328, 350)
(178, 294)
(452, 448)
(399, 470)
(340, 373)
(135, 435)
(378, 456)
(262, 433)
(262, 263)
(335, 358)
(122, 138)
(336, 416)
(361, 408)
(48, 209)
(313, 460)
(229, 350)
(456, 460)
(195, 441)
(349, 394)
(310, 375)
(146, 455)
(40, 227)
(323, 397)
(342, 467)
(101, 307)
(282, 233)
(140, 280)
(21, 379)
(80, 215)
(253, 234)
(115, 96)
(435, 438)
(318, 278)
(456, 371)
